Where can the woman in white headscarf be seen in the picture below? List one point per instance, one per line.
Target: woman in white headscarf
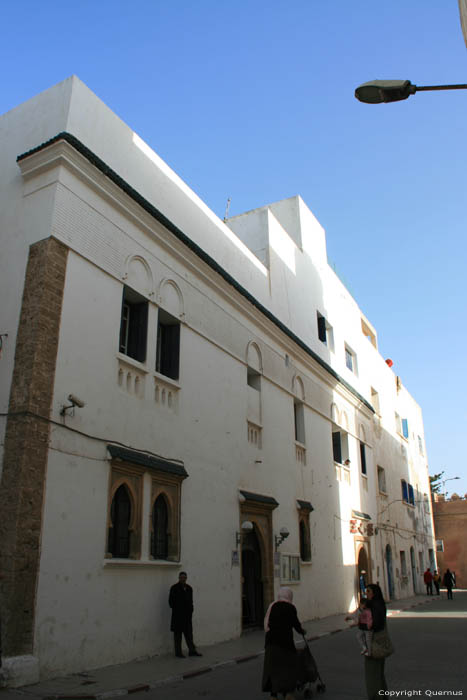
(280, 656)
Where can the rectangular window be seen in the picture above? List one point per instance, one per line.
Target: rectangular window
(325, 332)
(322, 328)
(168, 345)
(405, 491)
(350, 359)
(381, 480)
(402, 426)
(133, 325)
(336, 447)
(440, 545)
(340, 447)
(375, 400)
(299, 422)
(290, 568)
(362, 458)
(411, 494)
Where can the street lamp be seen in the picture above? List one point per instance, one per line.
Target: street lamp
(377, 91)
(452, 478)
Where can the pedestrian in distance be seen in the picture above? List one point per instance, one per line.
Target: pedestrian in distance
(448, 582)
(436, 581)
(428, 581)
(362, 583)
(374, 667)
(280, 670)
(181, 602)
(363, 619)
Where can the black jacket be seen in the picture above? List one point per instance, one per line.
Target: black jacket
(378, 612)
(282, 620)
(181, 602)
(448, 579)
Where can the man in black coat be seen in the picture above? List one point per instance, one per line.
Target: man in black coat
(448, 581)
(181, 602)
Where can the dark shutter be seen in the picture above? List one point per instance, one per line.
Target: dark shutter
(336, 447)
(405, 428)
(411, 495)
(322, 328)
(305, 548)
(124, 320)
(137, 336)
(362, 458)
(169, 350)
(405, 492)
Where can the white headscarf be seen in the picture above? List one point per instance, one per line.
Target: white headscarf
(285, 595)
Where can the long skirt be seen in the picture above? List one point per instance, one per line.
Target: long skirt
(374, 677)
(280, 670)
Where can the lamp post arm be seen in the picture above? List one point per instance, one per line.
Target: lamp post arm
(419, 88)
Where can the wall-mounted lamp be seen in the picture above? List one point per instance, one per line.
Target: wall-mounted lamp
(247, 526)
(278, 539)
(74, 401)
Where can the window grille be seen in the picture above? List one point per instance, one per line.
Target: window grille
(160, 521)
(120, 513)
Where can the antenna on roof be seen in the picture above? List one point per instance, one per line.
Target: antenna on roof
(227, 209)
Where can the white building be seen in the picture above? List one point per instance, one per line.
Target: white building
(169, 381)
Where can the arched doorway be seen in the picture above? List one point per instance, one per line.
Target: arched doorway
(389, 571)
(362, 572)
(414, 571)
(252, 584)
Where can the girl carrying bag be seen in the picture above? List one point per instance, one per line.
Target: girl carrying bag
(381, 645)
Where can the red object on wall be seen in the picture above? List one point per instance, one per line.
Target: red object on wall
(389, 362)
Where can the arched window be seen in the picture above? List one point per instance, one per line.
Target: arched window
(160, 535)
(120, 515)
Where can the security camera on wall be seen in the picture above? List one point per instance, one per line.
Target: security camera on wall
(76, 401)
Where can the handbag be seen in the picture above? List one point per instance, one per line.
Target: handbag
(381, 645)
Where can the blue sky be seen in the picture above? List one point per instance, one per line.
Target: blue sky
(253, 100)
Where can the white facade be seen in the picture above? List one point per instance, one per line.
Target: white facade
(230, 436)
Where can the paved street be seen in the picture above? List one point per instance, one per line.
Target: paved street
(431, 651)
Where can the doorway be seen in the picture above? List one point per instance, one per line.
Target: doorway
(389, 572)
(362, 572)
(252, 585)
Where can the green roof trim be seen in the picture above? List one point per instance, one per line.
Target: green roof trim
(147, 206)
(259, 498)
(305, 505)
(362, 516)
(144, 460)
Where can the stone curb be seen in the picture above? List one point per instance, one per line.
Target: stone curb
(144, 687)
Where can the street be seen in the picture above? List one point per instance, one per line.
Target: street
(430, 657)
(430, 644)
